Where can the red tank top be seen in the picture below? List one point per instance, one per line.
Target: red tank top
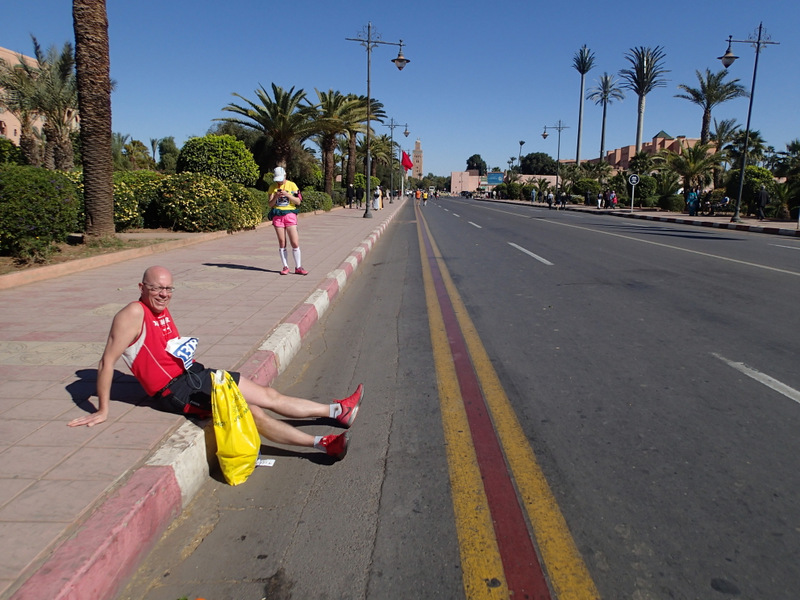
(147, 357)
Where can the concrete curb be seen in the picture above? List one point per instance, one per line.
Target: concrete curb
(108, 547)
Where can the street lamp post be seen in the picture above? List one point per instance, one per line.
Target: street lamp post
(559, 128)
(370, 42)
(391, 125)
(727, 60)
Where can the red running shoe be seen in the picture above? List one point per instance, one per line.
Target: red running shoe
(350, 406)
(300, 271)
(335, 445)
(285, 271)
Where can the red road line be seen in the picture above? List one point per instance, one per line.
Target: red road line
(517, 553)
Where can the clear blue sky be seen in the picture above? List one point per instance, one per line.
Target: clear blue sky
(482, 77)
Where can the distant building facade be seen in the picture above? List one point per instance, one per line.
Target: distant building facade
(620, 158)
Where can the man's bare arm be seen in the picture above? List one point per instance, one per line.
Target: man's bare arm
(125, 329)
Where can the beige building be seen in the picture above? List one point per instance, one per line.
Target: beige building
(620, 158)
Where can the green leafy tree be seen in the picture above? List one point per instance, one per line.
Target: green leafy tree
(646, 73)
(604, 94)
(582, 62)
(754, 178)
(167, 155)
(221, 156)
(476, 163)
(94, 85)
(538, 163)
(712, 91)
(137, 156)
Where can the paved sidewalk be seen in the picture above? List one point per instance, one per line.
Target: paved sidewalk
(787, 228)
(80, 506)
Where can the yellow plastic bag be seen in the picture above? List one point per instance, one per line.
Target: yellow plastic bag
(238, 441)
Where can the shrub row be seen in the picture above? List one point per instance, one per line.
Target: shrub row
(39, 208)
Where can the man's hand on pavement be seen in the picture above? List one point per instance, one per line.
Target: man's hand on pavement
(89, 420)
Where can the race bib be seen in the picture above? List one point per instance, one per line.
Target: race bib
(184, 349)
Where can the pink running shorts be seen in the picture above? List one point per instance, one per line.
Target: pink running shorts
(287, 220)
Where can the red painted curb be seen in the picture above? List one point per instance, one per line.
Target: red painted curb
(110, 544)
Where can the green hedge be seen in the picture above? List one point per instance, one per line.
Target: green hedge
(315, 200)
(194, 202)
(38, 208)
(135, 199)
(221, 156)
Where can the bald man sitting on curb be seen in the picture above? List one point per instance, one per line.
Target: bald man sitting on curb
(143, 333)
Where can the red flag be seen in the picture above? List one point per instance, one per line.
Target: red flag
(406, 162)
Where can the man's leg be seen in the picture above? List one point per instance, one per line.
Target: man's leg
(287, 406)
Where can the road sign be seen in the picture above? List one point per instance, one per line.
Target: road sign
(633, 179)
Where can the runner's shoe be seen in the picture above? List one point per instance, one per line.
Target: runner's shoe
(335, 445)
(300, 271)
(350, 406)
(285, 271)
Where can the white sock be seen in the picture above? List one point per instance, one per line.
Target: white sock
(282, 252)
(296, 255)
(336, 410)
(317, 440)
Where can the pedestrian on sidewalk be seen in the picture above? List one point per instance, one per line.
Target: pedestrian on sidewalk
(376, 198)
(761, 202)
(145, 336)
(359, 196)
(284, 198)
(351, 195)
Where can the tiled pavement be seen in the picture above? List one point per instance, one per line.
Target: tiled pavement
(65, 492)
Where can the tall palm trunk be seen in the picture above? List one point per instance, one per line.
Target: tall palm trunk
(640, 123)
(90, 22)
(603, 133)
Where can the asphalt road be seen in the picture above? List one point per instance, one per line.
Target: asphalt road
(652, 368)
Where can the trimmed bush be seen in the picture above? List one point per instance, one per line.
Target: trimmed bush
(674, 203)
(314, 200)
(194, 202)
(221, 156)
(248, 207)
(10, 153)
(135, 194)
(38, 208)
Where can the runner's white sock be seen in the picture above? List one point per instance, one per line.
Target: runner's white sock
(336, 410)
(282, 252)
(317, 440)
(296, 255)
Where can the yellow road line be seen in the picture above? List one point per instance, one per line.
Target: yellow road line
(567, 572)
(481, 567)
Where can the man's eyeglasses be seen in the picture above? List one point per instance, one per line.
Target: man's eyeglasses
(159, 288)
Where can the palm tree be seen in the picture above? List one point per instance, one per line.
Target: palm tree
(724, 132)
(332, 118)
(582, 62)
(55, 97)
(17, 83)
(712, 91)
(645, 75)
(693, 164)
(381, 152)
(605, 93)
(90, 23)
(642, 163)
(756, 146)
(154, 148)
(281, 118)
